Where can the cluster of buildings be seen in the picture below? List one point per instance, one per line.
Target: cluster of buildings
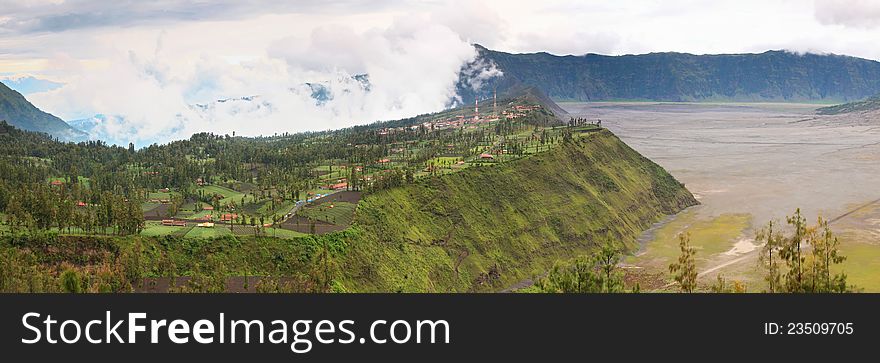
(519, 111)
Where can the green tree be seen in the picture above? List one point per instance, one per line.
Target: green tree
(809, 255)
(597, 273)
(791, 254)
(772, 240)
(70, 281)
(685, 269)
(721, 285)
(826, 253)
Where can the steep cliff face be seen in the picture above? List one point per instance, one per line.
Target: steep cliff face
(768, 76)
(485, 228)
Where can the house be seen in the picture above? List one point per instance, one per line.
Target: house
(179, 223)
(339, 186)
(56, 182)
(485, 156)
(228, 217)
(81, 204)
(383, 161)
(206, 225)
(207, 207)
(167, 222)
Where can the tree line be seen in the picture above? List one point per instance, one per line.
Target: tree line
(800, 258)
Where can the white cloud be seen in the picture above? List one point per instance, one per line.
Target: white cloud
(150, 61)
(849, 13)
(412, 67)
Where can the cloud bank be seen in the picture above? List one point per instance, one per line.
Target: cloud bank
(849, 13)
(407, 68)
(145, 66)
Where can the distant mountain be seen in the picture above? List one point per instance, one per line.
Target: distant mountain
(500, 86)
(768, 76)
(27, 85)
(18, 112)
(870, 104)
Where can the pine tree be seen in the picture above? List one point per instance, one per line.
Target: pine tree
(772, 241)
(685, 270)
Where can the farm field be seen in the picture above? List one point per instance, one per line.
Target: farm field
(338, 213)
(328, 214)
(229, 195)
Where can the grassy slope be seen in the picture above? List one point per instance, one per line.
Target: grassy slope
(869, 104)
(520, 217)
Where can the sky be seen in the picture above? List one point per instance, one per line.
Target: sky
(144, 65)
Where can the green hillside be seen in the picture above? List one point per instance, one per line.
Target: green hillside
(450, 202)
(486, 228)
(768, 76)
(482, 228)
(870, 104)
(16, 110)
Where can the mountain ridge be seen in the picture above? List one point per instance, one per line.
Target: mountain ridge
(866, 105)
(774, 75)
(19, 112)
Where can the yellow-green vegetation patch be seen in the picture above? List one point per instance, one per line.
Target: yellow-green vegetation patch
(709, 236)
(202, 232)
(862, 263)
(155, 229)
(200, 214)
(162, 195)
(227, 194)
(338, 213)
(149, 206)
(283, 233)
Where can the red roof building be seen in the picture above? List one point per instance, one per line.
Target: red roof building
(486, 156)
(56, 182)
(339, 186)
(383, 161)
(228, 217)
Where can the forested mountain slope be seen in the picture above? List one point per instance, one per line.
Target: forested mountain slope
(768, 76)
